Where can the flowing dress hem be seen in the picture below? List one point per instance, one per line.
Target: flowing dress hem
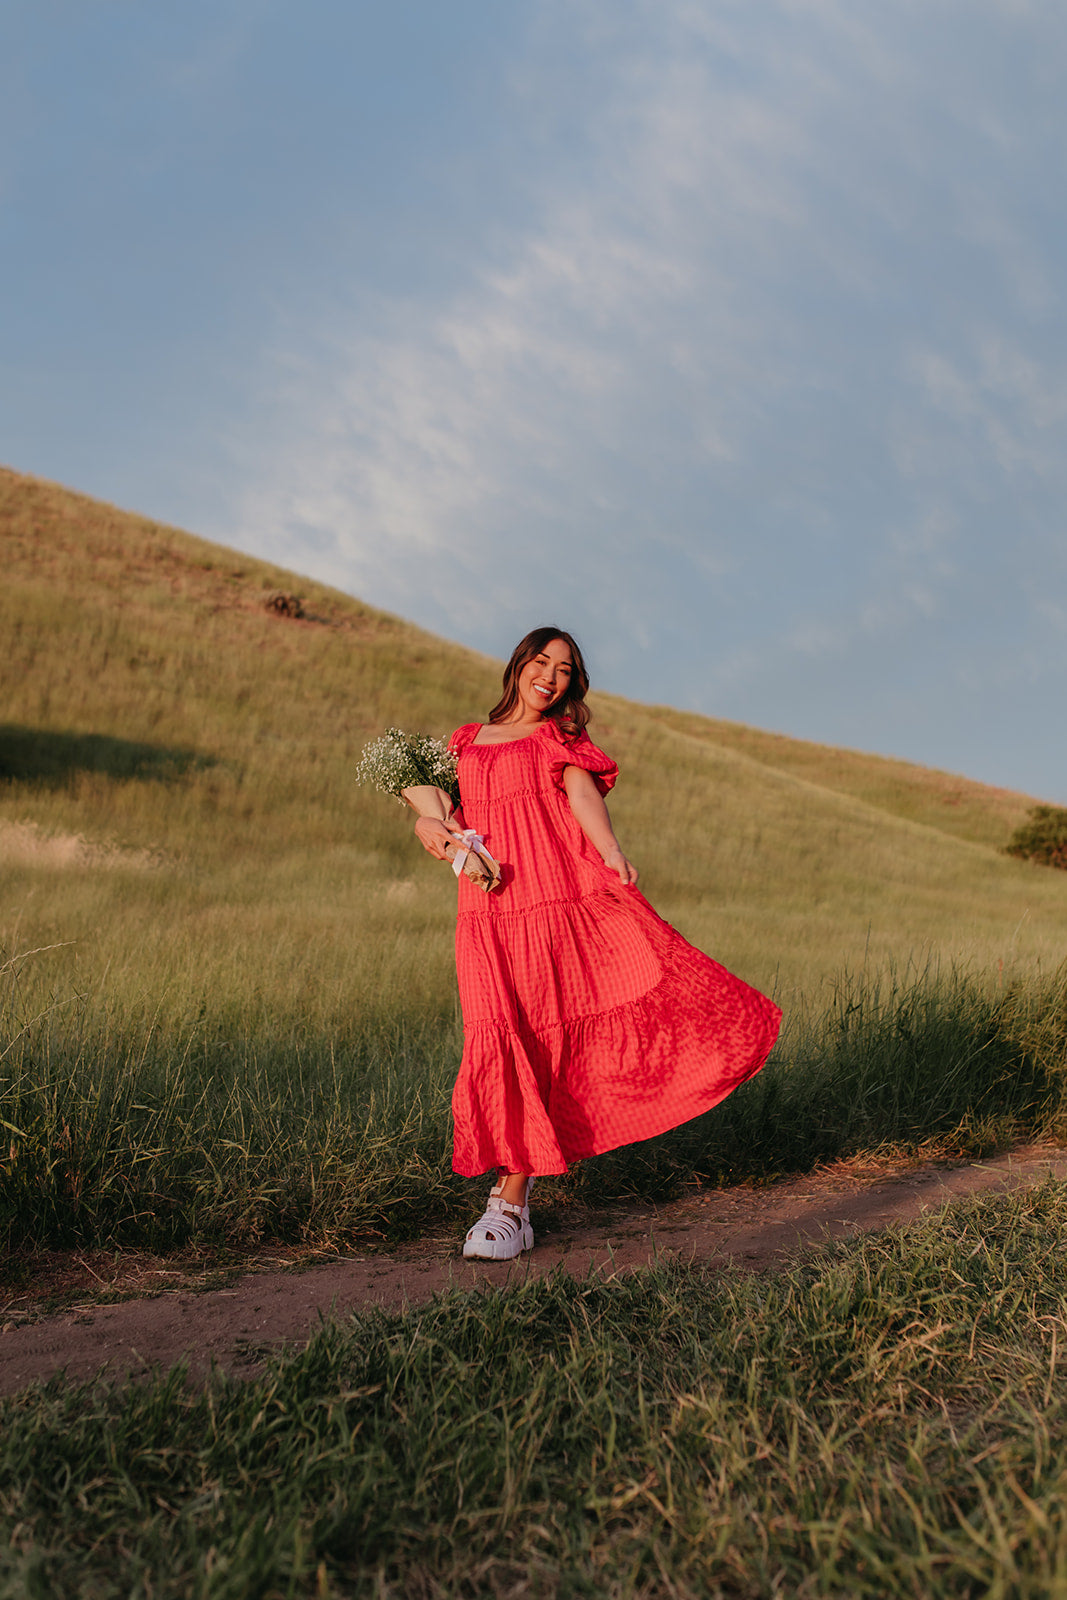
(670, 1120)
(670, 1099)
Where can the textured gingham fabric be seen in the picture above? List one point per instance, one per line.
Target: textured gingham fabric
(589, 1022)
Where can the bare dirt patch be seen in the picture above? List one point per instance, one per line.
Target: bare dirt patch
(182, 1314)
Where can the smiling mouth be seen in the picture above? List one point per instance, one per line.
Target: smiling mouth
(546, 694)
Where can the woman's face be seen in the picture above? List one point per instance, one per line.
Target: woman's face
(544, 679)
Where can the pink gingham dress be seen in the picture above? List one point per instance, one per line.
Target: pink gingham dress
(589, 1022)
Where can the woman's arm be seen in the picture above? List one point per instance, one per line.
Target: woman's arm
(434, 834)
(591, 813)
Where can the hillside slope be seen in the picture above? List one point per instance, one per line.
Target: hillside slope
(177, 806)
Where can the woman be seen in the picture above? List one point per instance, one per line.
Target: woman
(589, 1022)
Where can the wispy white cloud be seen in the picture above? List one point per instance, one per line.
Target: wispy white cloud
(612, 334)
(731, 335)
(752, 387)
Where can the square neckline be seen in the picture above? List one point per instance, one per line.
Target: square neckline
(498, 744)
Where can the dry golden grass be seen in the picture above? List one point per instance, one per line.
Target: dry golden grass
(157, 713)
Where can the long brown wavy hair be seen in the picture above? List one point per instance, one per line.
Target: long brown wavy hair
(570, 710)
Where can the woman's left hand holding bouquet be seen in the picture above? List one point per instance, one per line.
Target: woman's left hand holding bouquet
(441, 831)
(422, 771)
(435, 833)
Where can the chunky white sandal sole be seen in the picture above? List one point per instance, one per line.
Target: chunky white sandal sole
(502, 1232)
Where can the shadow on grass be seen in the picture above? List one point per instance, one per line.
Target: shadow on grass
(50, 760)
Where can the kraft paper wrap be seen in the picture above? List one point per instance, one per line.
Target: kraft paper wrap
(468, 855)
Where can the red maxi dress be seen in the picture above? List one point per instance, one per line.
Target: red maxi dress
(589, 1022)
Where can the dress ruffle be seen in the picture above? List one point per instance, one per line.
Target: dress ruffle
(582, 752)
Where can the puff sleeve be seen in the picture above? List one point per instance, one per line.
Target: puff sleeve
(562, 754)
(462, 737)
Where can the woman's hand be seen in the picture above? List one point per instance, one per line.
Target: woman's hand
(618, 863)
(434, 835)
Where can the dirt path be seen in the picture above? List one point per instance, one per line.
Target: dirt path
(234, 1327)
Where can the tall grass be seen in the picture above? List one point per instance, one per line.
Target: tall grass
(887, 1418)
(926, 1054)
(118, 1132)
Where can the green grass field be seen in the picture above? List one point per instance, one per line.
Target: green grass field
(226, 986)
(886, 1418)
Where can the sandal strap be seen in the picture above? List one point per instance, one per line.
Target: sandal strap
(501, 1217)
(503, 1213)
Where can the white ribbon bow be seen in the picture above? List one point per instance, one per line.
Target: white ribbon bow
(467, 841)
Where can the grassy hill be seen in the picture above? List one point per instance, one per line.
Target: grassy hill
(203, 750)
(183, 845)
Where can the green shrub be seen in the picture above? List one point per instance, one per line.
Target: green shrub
(1042, 838)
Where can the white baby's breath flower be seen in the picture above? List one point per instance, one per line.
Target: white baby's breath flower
(400, 760)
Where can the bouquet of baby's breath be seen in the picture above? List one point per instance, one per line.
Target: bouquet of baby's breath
(421, 773)
(399, 761)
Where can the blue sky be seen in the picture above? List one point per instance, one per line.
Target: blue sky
(729, 335)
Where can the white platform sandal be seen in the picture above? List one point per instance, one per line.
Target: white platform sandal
(503, 1231)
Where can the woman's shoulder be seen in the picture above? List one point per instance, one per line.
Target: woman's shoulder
(463, 737)
(558, 737)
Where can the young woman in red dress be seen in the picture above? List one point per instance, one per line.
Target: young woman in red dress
(589, 1023)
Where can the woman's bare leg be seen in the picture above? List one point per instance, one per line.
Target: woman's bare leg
(514, 1190)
